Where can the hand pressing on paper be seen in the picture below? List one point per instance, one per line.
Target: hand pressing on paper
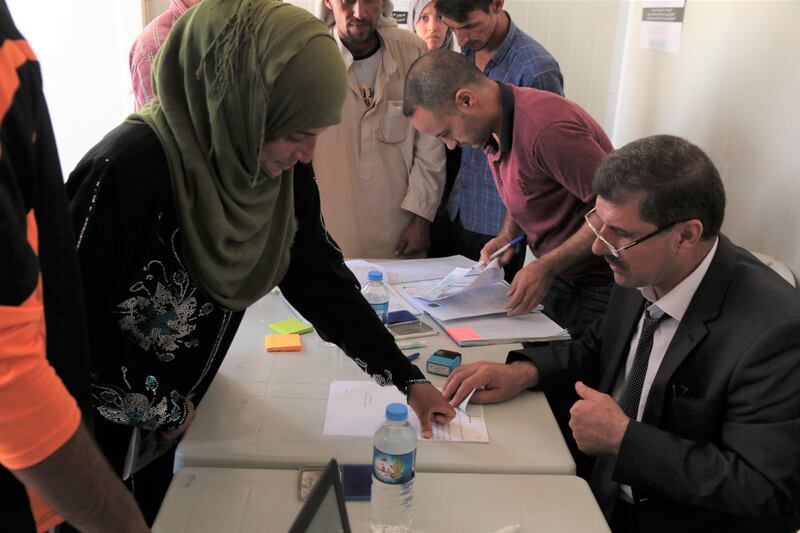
(430, 406)
(495, 382)
(529, 288)
(415, 238)
(597, 422)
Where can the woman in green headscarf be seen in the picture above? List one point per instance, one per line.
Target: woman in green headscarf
(189, 212)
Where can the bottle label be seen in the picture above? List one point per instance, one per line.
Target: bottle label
(393, 469)
(381, 310)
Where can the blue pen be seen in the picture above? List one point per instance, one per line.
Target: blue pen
(502, 249)
(412, 356)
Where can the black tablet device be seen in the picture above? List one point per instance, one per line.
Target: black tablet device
(324, 511)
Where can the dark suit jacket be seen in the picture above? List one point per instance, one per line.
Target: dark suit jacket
(718, 448)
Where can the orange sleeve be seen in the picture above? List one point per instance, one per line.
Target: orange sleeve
(37, 413)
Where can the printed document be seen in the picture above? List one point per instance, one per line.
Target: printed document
(357, 408)
(487, 300)
(408, 270)
(461, 280)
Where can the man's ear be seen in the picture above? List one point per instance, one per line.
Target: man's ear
(465, 99)
(328, 4)
(690, 232)
(496, 6)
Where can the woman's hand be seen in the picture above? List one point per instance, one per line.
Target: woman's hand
(430, 406)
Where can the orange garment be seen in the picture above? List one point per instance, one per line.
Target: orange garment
(37, 413)
(46, 519)
(13, 53)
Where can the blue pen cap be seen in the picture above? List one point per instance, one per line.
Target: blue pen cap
(375, 275)
(396, 411)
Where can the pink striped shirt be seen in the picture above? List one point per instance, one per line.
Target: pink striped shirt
(144, 49)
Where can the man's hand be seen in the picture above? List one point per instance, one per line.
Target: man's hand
(415, 238)
(177, 432)
(597, 422)
(495, 382)
(528, 288)
(430, 405)
(495, 244)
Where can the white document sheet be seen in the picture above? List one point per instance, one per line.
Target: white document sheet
(361, 268)
(408, 270)
(358, 408)
(461, 280)
(487, 300)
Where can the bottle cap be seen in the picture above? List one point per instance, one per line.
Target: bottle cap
(396, 411)
(375, 275)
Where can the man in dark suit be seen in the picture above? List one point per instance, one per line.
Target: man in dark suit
(689, 383)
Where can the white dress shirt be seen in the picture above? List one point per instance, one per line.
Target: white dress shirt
(674, 303)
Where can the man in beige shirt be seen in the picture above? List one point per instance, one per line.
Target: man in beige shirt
(380, 180)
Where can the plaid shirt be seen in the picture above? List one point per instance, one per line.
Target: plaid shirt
(519, 61)
(143, 51)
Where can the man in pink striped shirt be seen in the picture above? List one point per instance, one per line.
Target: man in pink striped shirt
(144, 49)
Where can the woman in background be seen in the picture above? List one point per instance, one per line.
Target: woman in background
(429, 25)
(189, 212)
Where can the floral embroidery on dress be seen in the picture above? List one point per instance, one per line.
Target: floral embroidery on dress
(136, 409)
(160, 317)
(380, 379)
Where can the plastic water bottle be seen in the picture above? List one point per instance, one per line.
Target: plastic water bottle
(376, 294)
(394, 452)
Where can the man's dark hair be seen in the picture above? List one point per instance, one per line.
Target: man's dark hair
(678, 179)
(459, 10)
(434, 78)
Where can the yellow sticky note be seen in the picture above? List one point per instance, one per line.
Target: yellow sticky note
(282, 343)
(291, 326)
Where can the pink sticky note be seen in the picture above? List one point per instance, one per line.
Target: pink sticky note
(463, 334)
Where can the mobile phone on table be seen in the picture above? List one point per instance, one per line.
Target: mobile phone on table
(357, 482)
(411, 329)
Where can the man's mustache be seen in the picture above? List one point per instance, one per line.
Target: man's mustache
(360, 22)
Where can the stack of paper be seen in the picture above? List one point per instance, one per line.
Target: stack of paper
(488, 300)
(468, 301)
(396, 273)
(503, 329)
(462, 280)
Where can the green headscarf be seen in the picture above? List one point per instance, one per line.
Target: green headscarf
(232, 75)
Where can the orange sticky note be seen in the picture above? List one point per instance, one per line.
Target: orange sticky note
(282, 343)
(463, 334)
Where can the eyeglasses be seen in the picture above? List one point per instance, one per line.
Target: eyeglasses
(594, 223)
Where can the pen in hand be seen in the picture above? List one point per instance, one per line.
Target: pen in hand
(502, 249)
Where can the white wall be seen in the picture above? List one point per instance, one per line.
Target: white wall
(82, 46)
(585, 38)
(734, 90)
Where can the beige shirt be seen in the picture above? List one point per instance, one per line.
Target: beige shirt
(374, 170)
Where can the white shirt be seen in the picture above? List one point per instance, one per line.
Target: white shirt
(674, 303)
